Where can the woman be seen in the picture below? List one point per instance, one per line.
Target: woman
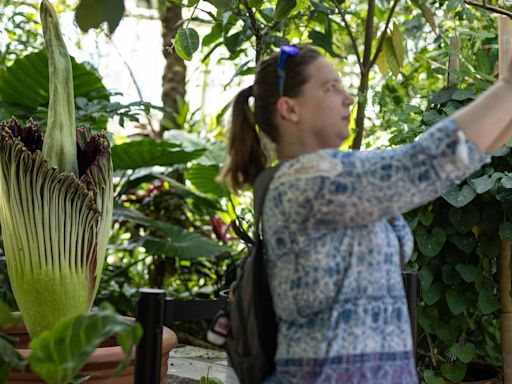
(332, 225)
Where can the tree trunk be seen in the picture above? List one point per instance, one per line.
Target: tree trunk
(362, 101)
(173, 80)
(453, 61)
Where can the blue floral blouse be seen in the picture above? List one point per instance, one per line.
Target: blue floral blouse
(333, 236)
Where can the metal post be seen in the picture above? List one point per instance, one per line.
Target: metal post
(150, 314)
(412, 291)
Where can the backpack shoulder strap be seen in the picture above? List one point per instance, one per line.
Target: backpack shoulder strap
(260, 191)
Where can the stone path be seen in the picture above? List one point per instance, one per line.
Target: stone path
(187, 364)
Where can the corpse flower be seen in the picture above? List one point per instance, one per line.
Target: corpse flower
(56, 198)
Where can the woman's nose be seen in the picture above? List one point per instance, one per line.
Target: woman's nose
(349, 99)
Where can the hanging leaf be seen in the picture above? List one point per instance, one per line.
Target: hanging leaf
(186, 42)
(382, 63)
(398, 45)
(284, 8)
(391, 59)
(429, 16)
(92, 13)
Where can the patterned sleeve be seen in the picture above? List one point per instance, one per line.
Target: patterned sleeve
(356, 188)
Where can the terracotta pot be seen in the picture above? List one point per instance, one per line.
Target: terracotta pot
(482, 373)
(101, 364)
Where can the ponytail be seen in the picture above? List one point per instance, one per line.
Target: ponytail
(246, 156)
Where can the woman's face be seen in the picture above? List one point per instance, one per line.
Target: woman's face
(325, 106)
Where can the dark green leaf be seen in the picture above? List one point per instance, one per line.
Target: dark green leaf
(76, 338)
(468, 273)
(454, 372)
(431, 117)
(425, 217)
(323, 41)
(431, 378)
(25, 82)
(148, 152)
(430, 243)
(322, 8)
(466, 243)
(426, 277)
(186, 42)
(458, 299)
(433, 293)
(450, 275)
(92, 13)
(464, 94)
(443, 96)
(464, 353)
(464, 219)
(459, 196)
(487, 301)
(283, 8)
(428, 318)
(214, 36)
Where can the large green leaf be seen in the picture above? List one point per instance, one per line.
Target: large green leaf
(59, 354)
(25, 82)
(92, 13)
(149, 152)
(186, 42)
(203, 177)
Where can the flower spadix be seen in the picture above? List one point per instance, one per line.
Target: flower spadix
(55, 201)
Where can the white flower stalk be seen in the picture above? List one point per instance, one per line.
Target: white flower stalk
(55, 226)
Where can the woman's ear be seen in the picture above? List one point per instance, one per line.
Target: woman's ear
(287, 109)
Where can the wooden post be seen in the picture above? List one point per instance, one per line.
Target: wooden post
(505, 52)
(453, 60)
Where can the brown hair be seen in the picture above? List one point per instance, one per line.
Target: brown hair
(246, 156)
